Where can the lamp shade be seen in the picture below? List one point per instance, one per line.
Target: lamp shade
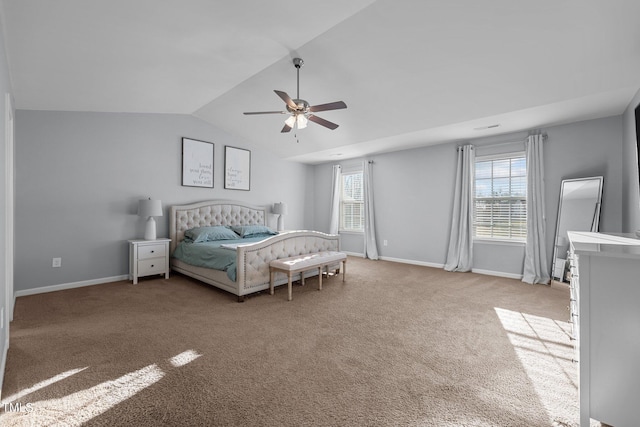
(280, 208)
(301, 121)
(149, 208)
(290, 121)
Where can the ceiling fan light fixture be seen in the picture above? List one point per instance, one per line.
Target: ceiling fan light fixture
(297, 119)
(301, 121)
(290, 121)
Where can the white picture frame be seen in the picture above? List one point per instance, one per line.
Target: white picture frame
(197, 163)
(237, 168)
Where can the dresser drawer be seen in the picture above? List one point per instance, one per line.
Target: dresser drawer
(151, 251)
(147, 267)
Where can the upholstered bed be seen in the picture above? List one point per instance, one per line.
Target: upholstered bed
(252, 259)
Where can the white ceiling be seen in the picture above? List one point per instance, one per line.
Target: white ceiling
(411, 72)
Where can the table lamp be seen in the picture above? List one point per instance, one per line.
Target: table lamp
(150, 208)
(280, 209)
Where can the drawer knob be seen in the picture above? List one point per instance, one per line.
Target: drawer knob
(152, 251)
(152, 266)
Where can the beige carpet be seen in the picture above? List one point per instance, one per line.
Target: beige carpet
(395, 345)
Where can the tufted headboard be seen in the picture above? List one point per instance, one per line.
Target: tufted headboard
(212, 212)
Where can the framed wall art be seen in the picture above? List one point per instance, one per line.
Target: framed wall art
(197, 163)
(237, 168)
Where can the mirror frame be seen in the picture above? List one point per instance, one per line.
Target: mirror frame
(595, 223)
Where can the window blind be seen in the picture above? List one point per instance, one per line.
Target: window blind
(500, 202)
(352, 202)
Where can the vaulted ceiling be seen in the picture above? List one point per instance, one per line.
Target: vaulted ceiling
(411, 72)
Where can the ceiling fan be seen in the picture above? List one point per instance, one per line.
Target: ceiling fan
(299, 110)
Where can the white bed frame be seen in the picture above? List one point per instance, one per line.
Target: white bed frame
(253, 259)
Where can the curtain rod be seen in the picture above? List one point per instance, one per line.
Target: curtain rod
(544, 138)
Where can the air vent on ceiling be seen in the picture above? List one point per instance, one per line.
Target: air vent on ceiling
(487, 127)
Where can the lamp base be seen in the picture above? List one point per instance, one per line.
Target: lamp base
(281, 223)
(150, 230)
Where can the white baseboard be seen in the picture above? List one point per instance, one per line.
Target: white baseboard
(438, 265)
(497, 273)
(413, 262)
(356, 254)
(72, 285)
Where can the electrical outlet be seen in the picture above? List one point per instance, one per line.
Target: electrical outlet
(384, 243)
(57, 262)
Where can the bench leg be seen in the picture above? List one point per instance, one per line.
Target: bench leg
(290, 292)
(271, 274)
(320, 277)
(344, 269)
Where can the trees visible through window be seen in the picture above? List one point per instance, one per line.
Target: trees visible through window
(351, 202)
(500, 203)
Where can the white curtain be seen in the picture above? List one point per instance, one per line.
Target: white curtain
(535, 259)
(335, 200)
(460, 253)
(370, 246)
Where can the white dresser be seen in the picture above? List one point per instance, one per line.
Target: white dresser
(605, 311)
(148, 257)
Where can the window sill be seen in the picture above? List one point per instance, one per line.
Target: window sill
(350, 232)
(500, 242)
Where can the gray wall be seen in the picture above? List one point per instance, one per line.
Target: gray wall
(5, 87)
(413, 196)
(631, 198)
(79, 177)
(413, 193)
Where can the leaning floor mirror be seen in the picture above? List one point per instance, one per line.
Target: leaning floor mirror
(578, 210)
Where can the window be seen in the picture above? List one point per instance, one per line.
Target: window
(351, 202)
(500, 202)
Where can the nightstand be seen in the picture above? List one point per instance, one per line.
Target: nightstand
(148, 257)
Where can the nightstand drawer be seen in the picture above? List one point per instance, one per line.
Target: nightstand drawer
(151, 266)
(151, 251)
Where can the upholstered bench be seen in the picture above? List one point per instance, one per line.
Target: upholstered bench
(306, 262)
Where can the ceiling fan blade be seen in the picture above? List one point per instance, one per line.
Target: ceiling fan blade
(286, 128)
(286, 98)
(322, 122)
(326, 107)
(265, 112)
